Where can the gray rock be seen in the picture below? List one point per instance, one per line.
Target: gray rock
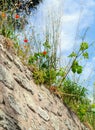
(7, 122)
(43, 114)
(40, 97)
(69, 125)
(18, 64)
(2, 48)
(60, 111)
(28, 74)
(55, 122)
(43, 127)
(34, 126)
(8, 63)
(6, 77)
(33, 106)
(14, 105)
(30, 103)
(9, 56)
(24, 82)
(29, 129)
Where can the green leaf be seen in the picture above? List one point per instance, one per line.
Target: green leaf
(75, 63)
(31, 60)
(61, 72)
(44, 66)
(76, 67)
(79, 69)
(73, 69)
(16, 45)
(47, 45)
(85, 55)
(83, 46)
(73, 54)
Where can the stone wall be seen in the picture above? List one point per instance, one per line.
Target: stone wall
(26, 106)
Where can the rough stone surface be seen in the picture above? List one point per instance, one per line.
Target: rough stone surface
(8, 123)
(26, 106)
(6, 77)
(43, 114)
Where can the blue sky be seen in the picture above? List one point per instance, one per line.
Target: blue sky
(75, 17)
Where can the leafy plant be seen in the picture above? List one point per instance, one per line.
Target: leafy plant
(76, 97)
(78, 92)
(82, 111)
(75, 67)
(83, 46)
(38, 76)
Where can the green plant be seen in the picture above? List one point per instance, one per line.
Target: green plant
(78, 92)
(50, 77)
(81, 111)
(75, 66)
(38, 76)
(44, 61)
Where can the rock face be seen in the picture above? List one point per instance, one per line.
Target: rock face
(26, 106)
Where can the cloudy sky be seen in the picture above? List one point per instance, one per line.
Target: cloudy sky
(75, 18)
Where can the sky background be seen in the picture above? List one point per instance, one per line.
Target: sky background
(75, 17)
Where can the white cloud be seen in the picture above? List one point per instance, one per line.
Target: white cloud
(68, 11)
(88, 71)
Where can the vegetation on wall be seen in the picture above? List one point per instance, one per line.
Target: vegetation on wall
(44, 62)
